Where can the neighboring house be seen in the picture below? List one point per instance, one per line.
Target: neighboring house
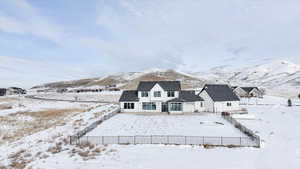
(253, 91)
(248, 92)
(62, 90)
(2, 92)
(219, 98)
(160, 96)
(15, 90)
(240, 92)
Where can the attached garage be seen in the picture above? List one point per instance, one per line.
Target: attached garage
(219, 98)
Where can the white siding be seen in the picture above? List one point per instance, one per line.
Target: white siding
(255, 93)
(212, 106)
(189, 107)
(208, 102)
(199, 106)
(136, 107)
(240, 92)
(222, 106)
(164, 95)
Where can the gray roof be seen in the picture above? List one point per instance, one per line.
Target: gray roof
(249, 89)
(187, 96)
(220, 92)
(129, 95)
(166, 85)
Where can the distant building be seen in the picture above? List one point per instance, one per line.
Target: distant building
(219, 98)
(62, 90)
(248, 92)
(15, 91)
(3, 91)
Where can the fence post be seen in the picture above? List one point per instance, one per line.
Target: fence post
(185, 140)
(240, 141)
(151, 139)
(221, 140)
(102, 139)
(118, 139)
(133, 139)
(203, 140)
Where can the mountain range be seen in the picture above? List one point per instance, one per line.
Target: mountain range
(277, 78)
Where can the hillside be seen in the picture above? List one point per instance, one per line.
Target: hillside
(278, 78)
(129, 80)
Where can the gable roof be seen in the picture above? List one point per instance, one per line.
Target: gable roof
(166, 85)
(234, 87)
(220, 92)
(187, 96)
(129, 95)
(249, 89)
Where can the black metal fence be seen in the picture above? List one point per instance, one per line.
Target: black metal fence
(243, 129)
(83, 132)
(167, 140)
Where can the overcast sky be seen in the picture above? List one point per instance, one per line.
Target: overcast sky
(49, 40)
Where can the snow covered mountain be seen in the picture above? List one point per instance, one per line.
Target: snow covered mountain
(278, 78)
(130, 80)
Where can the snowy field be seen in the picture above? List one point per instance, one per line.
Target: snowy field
(106, 96)
(277, 125)
(17, 104)
(269, 100)
(178, 125)
(41, 128)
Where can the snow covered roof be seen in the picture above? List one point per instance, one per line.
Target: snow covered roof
(129, 95)
(187, 96)
(220, 92)
(166, 85)
(249, 89)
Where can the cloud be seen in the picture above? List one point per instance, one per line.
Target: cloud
(26, 73)
(132, 35)
(19, 17)
(202, 32)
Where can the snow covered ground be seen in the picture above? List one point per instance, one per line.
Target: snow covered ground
(269, 100)
(22, 104)
(277, 125)
(106, 96)
(181, 125)
(41, 144)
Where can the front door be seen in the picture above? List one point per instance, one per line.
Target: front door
(164, 107)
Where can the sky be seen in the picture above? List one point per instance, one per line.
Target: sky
(47, 41)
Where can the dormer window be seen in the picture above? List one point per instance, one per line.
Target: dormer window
(171, 94)
(157, 94)
(144, 94)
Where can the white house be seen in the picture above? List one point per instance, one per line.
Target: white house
(160, 96)
(248, 92)
(219, 98)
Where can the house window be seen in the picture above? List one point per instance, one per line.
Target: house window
(149, 106)
(171, 94)
(176, 107)
(144, 94)
(228, 104)
(201, 104)
(157, 94)
(128, 105)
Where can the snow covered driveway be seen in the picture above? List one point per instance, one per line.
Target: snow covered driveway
(185, 125)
